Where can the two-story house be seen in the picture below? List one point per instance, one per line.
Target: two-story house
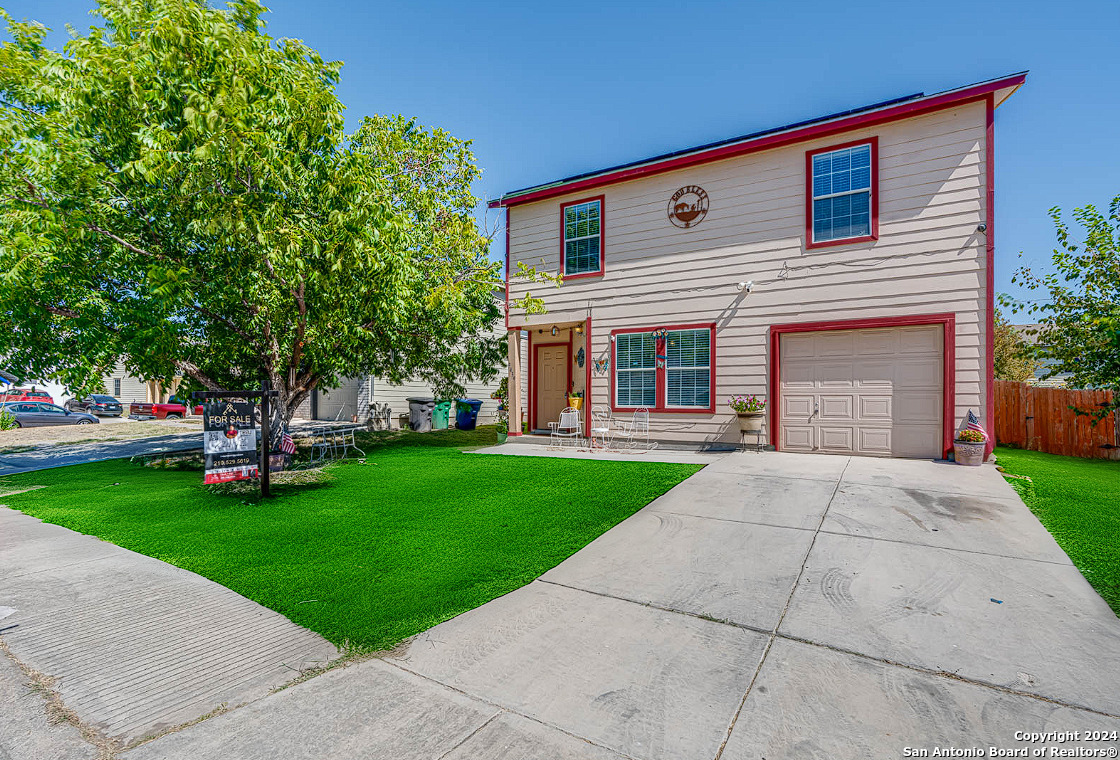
(840, 267)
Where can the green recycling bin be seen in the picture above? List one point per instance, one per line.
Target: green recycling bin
(440, 414)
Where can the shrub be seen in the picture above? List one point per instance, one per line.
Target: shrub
(970, 436)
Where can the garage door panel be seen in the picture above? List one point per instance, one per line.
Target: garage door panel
(917, 406)
(915, 440)
(835, 439)
(876, 342)
(874, 391)
(837, 407)
(875, 441)
(835, 374)
(918, 373)
(874, 374)
(919, 340)
(797, 407)
(875, 408)
(800, 374)
(837, 344)
(799, 345)
(799, 438)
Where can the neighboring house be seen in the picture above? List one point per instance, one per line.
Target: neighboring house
(387, 401)
(840, 267)
(128, 389)
(351, 398)
(1029, 333)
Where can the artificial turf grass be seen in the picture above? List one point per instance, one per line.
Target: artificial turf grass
(389, 548)
(1078, 500)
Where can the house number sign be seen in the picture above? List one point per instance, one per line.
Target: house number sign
(688, 206)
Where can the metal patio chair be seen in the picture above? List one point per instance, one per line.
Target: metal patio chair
(635, 432)
(601, 426)
(566, 429)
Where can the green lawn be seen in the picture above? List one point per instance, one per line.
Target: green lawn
(416, 535)
(1078, 500)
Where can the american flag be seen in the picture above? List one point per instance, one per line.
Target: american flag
(973, 423)
(287, 445)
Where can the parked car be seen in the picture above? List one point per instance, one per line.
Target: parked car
(96, 404)
(157, 411)
(25, 394)
(41, 414)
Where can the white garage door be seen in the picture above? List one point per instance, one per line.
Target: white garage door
(872, 392)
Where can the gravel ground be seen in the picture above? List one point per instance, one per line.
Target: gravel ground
(26, 439)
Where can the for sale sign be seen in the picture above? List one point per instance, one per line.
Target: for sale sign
(229, 441)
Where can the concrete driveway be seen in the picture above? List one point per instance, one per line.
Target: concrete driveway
(772, 606)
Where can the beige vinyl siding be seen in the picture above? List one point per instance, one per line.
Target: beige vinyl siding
(929, 257)
(396, 397)
(133, 390)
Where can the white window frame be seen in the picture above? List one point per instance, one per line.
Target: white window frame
(618, 370)
(707, 366)
(870, 190)
(565, 239)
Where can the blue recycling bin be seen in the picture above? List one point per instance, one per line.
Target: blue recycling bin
(466, 412)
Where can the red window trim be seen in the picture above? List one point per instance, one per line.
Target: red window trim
(661, 373)
(948, 322)
(809, 242)
(602, 199)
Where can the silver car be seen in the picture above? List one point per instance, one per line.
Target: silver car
(40, 414)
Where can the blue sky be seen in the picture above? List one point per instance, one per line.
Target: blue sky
(550, 90)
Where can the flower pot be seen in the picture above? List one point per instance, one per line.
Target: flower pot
(751, 422)
(503, 436)
(969, 454)
(575, 402)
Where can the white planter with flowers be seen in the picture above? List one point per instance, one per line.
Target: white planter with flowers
(751, 411)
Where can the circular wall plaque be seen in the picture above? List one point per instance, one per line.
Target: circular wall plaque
(688, 206)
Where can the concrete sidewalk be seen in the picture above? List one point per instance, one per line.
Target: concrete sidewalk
(771, 606)
(63, 455)
(136, 646)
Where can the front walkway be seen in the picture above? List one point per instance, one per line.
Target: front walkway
(771, 606)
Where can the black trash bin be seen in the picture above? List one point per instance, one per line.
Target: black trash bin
(466, 413)
(420, 413)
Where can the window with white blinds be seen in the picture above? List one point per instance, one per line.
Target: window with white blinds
(664, 369)
(583, 237)
(688, 370)
(635, 370)
(842, 193)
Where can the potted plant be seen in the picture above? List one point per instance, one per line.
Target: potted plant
(968, 448)
(575, 399)
(751, 410)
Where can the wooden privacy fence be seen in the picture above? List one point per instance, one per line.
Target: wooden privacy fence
(1040, 419)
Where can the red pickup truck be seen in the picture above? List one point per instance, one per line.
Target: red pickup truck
(156, 411)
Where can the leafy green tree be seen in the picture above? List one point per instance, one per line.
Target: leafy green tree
(1014, 356)
(1080, 314)
(177, 191)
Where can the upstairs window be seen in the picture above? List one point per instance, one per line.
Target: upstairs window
(582, 223)
(842, 203)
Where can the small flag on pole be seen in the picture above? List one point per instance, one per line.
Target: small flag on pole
(973, 423)
(287, 445)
